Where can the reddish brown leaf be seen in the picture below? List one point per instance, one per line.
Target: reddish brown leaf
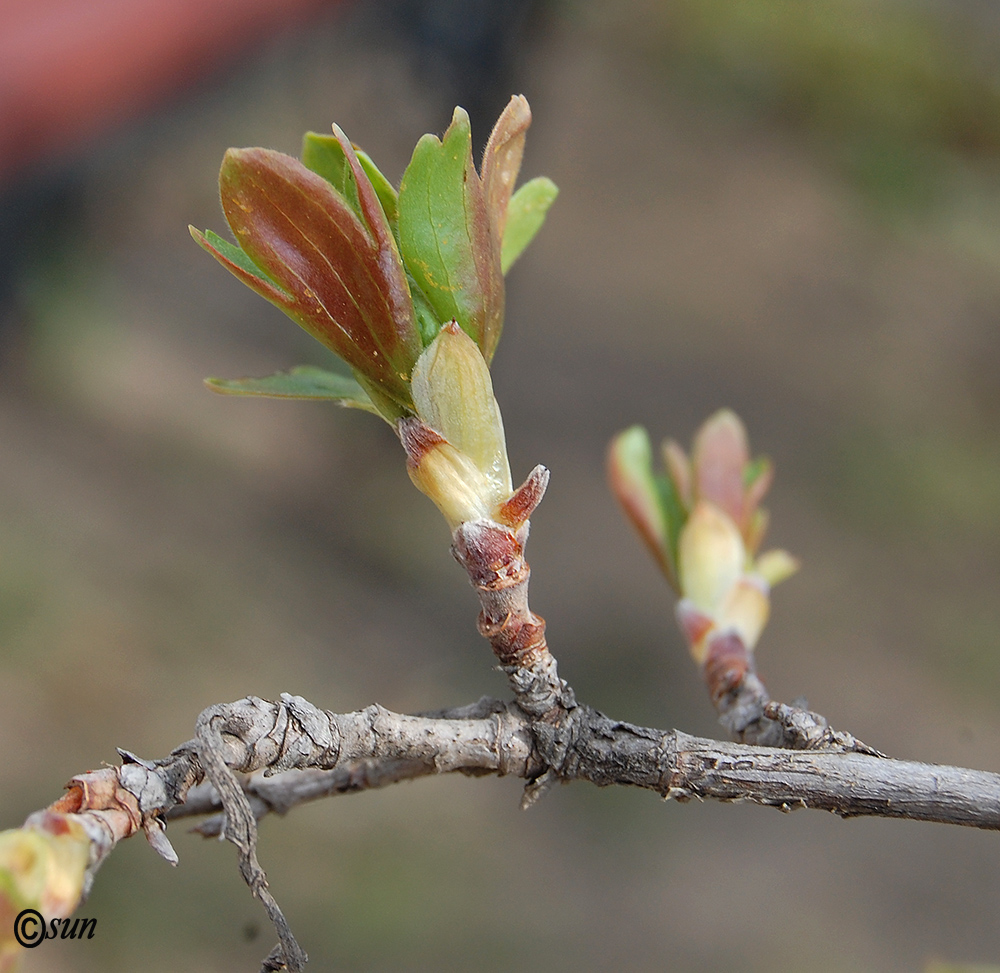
(718, 459)
(345, 287)
(502, 160)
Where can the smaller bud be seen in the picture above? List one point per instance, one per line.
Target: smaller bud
(720, 595)
(704, 516)
(711, 555)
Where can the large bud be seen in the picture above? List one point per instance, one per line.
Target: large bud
(455, 447)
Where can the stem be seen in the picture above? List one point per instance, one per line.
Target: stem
(502, 739)
(750, 715)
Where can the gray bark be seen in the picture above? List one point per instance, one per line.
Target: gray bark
(347, 753)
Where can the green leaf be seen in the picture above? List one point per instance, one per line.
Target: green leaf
(236, 255)
(427, 320)
(525, 215)
(675, 516)
(302, 382)
(445, 236)
(239, 264)
(324, 155)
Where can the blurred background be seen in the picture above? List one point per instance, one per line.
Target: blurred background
(788, 208)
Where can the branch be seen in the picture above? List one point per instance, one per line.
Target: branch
(313, 753)
(280, 793)
(387, 747)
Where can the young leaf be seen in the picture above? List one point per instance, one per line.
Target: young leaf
(232, 252)
(776, 566)
(240, 265)
(525, 215)
(324, 156)
(302, 382)
(675, 516)
(718, 459)
(630, 473)
(445, 235)
(502, 160)
(679, 473)
(757, 478)
(374, 215)
(427, 321)
(340, 279)
(387, 195)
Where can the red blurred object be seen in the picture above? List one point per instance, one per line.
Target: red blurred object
(70, 69)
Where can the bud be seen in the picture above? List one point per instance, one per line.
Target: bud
(704, 524)
(372, 273)
(467, 474)
(456, 485)
(721, 591)
(711, 555)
